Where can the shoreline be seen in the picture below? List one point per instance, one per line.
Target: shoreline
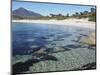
(67, 22)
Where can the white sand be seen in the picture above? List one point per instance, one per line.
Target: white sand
(72, 22)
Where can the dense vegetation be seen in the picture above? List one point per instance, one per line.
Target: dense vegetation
(92, 18)
(91, 15)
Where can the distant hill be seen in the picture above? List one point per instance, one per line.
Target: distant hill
(22, 13)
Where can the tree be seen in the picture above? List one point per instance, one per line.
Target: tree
(85, 12)
(59, 14)
(67, 14)
(93, 10)
(76, 14)
(52, 15)
(81, 13)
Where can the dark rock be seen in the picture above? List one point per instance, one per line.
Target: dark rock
(91, 47)
(43, 37)
(33, 49)
(59, 39)
(84, 35)
(89, 66)
(53, 44)
(50, 57)
(23, 66)
(66, 48)
(40, 51)
(49, 50)
(73, 46)
(75, 41)
(51, 35)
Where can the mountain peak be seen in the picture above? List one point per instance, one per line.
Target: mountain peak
(24, 12)
(21, 8)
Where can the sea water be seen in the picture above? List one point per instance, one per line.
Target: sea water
(63, 42)
(26, 35)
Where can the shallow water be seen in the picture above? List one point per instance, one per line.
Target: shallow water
(62, 45)
(26, 35)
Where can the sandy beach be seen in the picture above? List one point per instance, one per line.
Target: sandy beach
(71, 22)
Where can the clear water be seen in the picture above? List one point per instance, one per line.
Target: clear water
(26, 35)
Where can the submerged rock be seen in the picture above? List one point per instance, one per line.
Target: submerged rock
(73, 46)
(49, 50)
(41, 51)
(58, 49)
(90, 40)
(66, 48)
(84, 35)
(59, 39)
(53, 43)
(50, 57)
(21, 67)
(88, 66)
(51, 35)
(33, 49)
(44, 37)
(34, 46)
(44, 54)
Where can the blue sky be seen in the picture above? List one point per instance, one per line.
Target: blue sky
(46, 9)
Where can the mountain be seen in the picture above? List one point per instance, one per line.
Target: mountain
(24, 12)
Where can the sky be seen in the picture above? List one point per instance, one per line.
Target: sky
(48, 8)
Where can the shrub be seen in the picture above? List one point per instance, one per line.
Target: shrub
(92, 18)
